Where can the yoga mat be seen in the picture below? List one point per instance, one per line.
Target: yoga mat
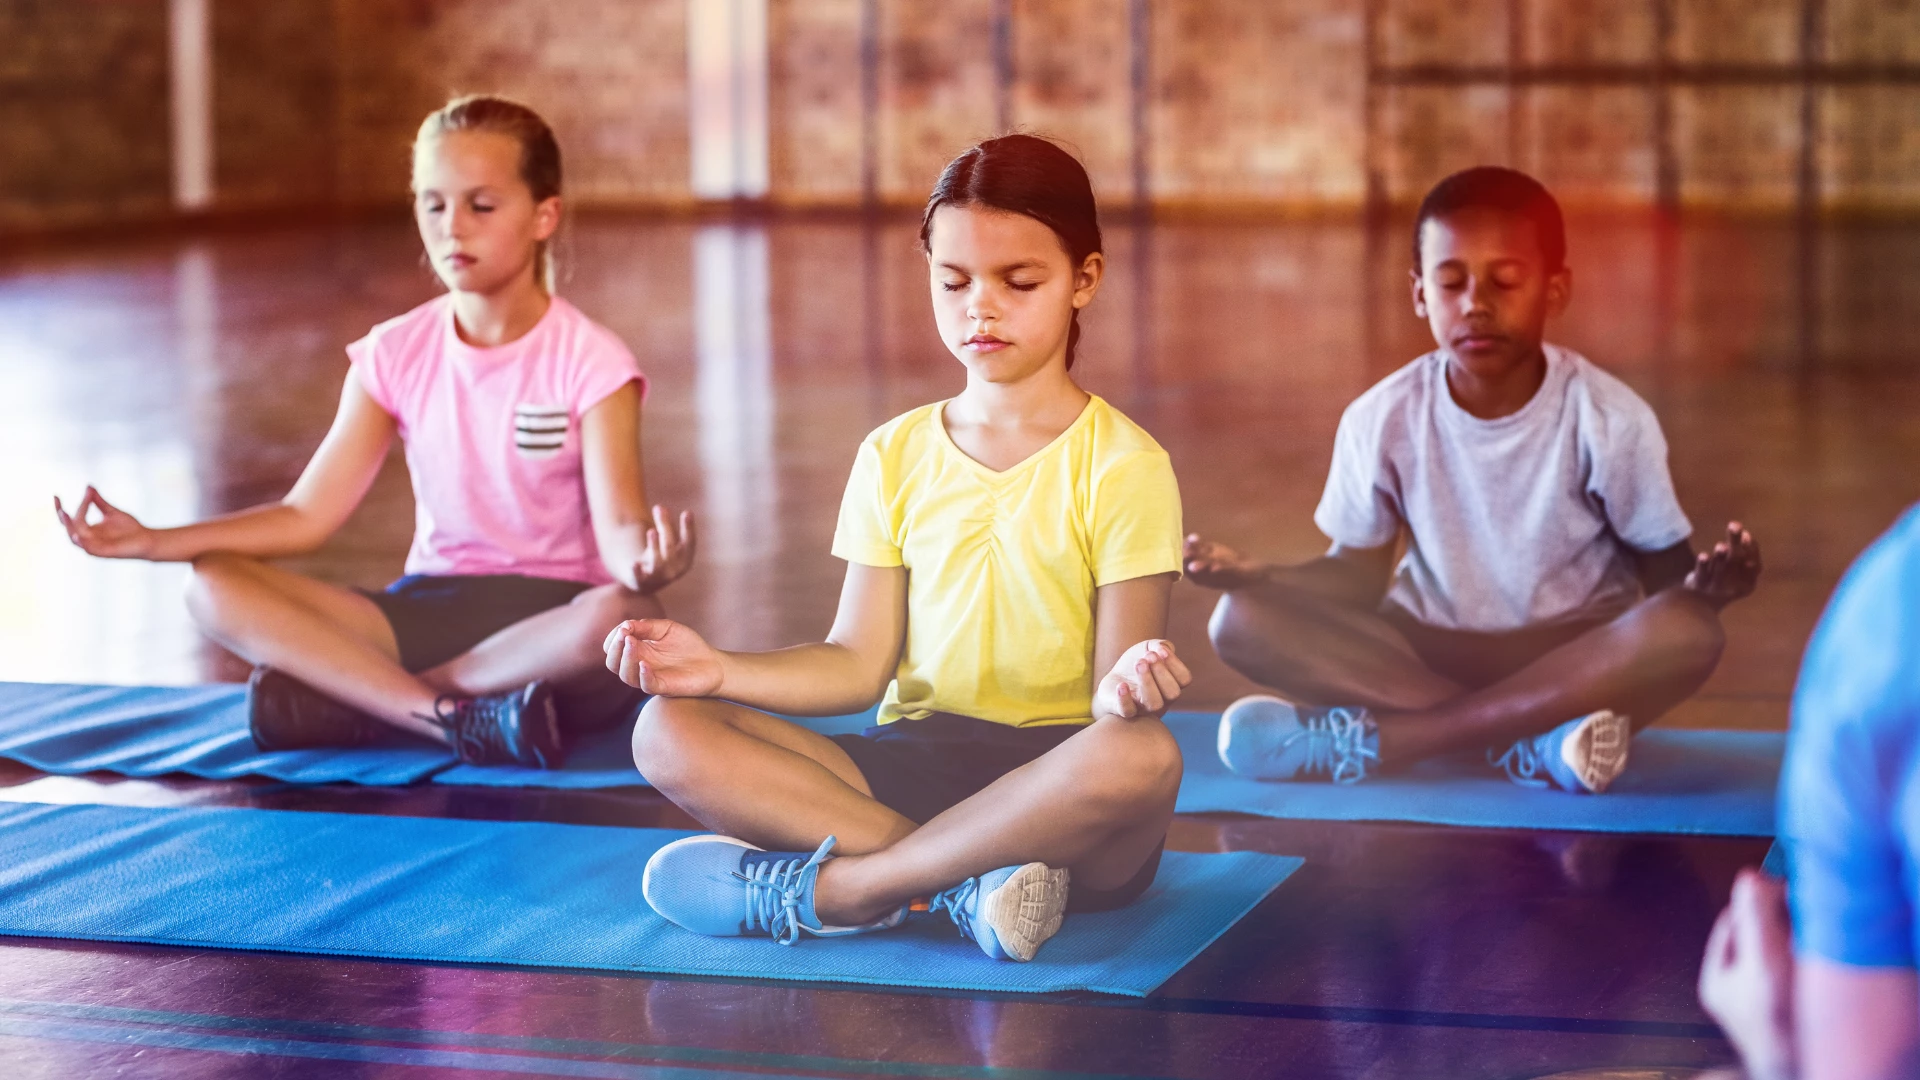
(198, 730)
(1710, 783)
(527, 893)
(604, 759)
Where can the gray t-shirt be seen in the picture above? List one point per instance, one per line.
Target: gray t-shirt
(1517, 521)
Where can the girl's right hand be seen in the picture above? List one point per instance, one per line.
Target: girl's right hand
(117, 535)
(663, 657)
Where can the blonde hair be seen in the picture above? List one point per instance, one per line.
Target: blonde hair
(539, 151)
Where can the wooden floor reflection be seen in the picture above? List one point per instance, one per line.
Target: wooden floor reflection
(189, 376)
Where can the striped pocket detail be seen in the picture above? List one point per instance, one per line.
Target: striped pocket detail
(539, 430)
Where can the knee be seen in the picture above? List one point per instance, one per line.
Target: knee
(667, 740)
(1228, 629)
(1692, 636)
(1139, 765)
(606, 607)
(216, 575)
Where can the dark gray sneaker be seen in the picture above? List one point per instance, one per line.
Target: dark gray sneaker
(286, 714)
(518, 727)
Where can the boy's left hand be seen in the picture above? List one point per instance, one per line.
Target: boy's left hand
(1146, 679)
(668, 553)
(1730, 571)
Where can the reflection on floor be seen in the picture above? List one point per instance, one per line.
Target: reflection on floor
(192, 376)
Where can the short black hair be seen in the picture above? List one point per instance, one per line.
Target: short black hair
(1511, 191)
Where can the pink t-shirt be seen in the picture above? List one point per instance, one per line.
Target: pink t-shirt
(493, 437)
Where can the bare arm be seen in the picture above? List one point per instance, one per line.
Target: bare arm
(1856, 1023)
(1143, 676)
(1354, 575)
(643, 548)
(843, 674)
(329, 489)
(1663, 569)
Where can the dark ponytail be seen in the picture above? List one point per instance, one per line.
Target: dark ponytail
(1024, 174)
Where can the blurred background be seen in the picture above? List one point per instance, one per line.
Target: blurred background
(202, 201)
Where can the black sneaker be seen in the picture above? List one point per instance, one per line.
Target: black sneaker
(284, 713)
(519, 727)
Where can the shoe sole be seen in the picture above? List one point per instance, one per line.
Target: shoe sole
(1027, 909)
(1228, 722)
(1596, 751)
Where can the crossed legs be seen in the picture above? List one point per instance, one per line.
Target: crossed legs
(338, 642)
(1640, 663)
(1098, 804)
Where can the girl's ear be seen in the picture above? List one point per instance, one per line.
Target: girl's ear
(546, 217)
(1087, 280)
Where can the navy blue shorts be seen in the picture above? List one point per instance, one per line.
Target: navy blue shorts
(921, 768)
(436, 617)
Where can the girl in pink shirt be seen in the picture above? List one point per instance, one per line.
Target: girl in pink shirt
(521, 423)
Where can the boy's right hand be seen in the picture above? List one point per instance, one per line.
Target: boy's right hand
(663, 657)
(117, 535)
(1217, 566)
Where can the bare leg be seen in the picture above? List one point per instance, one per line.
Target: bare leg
(1098, 804)
(565, 644)
(1319, 651)
(330, 638)
(1641, 665)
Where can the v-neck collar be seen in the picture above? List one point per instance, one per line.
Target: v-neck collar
(999, 475)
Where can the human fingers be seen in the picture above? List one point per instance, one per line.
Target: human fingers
(1146, 688)
(1717, 962)
(689, 535)
(1164, 680)
(1124, 700)
(663, 528)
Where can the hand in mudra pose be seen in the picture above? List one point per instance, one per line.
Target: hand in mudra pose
(663, 657)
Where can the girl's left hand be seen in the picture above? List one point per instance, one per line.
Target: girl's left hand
(668, 554)
(1746, 980)
(1146, 679)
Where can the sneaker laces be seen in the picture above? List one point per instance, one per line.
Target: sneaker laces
(956, 902)
(775, 891)
(1337, 744)
(474, 724)
(1523, 762)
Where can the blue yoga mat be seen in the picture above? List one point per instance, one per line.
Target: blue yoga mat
(604, 759)
(1711, 783)
(527, 893)
(197, 730)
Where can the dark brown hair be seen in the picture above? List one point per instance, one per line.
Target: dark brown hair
(1024, 174)
(1509, 191)
(539, 151)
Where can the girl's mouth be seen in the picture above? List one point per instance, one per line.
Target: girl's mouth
(460, 260)
(983, 343)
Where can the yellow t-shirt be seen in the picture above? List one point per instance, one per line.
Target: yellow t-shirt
(1002, 566)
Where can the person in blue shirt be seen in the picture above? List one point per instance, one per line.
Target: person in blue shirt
(1816, 977)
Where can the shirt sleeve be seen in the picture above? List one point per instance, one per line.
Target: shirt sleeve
(1359, 508)
(1849, 756)
(605, 365)
(364, 354)
(865, 532)
(1630, 478)
(1136, 525)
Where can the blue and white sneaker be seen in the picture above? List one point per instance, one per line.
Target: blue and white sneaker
(1010, 912)
(722, 887)
(1266, 738)
(1582, 756)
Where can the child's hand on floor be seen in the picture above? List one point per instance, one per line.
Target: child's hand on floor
(117, 535)
(668, 554)
(1217, 566)
(1146, 679)
(1728, 572)
(663, 657)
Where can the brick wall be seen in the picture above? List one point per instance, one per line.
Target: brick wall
(84, 122)
(1246, 103)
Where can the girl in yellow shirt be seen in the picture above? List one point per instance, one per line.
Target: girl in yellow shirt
(1009, 554)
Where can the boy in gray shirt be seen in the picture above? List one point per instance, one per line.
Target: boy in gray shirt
(1548, 603)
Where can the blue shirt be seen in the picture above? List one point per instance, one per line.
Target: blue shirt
(1850, 789)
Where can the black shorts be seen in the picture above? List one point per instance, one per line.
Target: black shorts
(921, 768)
(436, 617)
